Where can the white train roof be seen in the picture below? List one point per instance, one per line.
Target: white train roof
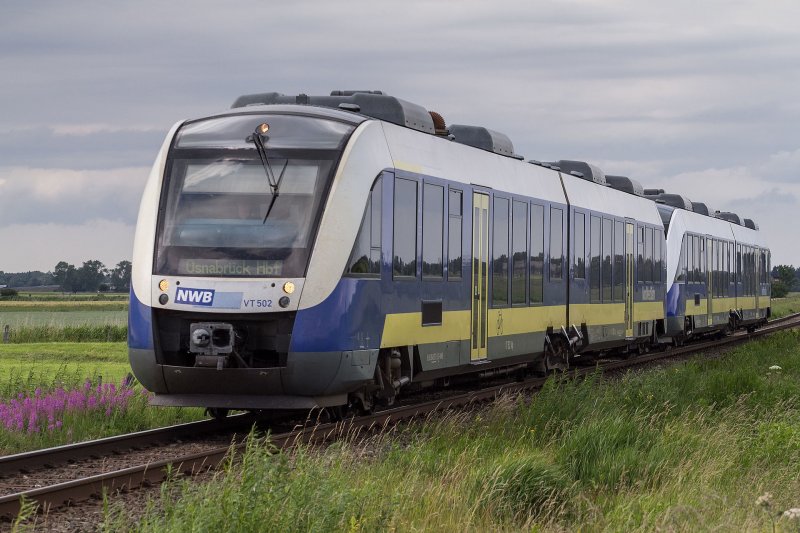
(590, 195)
(443, 158)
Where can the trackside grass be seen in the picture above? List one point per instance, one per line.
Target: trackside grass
(786, 306)
(55, 393)
(684, 448)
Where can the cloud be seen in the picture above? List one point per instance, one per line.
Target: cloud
(41, 246)
(65, 196)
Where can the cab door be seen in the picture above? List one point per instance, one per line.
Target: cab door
(629, 278)
(711, 251)
(480, 264)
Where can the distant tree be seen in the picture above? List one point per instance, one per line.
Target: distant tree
(91, 274)
(66, 276)
(120, 276)
(8, 293)
(786, 274)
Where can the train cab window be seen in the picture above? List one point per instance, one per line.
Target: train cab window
(556, 243)
(537, 254)
(619, 261)
(404, 260)
(454, 234)
(580, 246)
(365, 259)
(595, 238)
(606, 268)
(500, 253)
(432, 231)
(519, 243)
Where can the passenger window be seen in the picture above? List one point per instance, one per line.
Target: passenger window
(619, 261)
(519, 242)
(404, 261)
(365, 259)
(648, 255)
(454, 237)
(432, 231)
(680, 274)
(500, 254)
(537, 253)
(556, 243)
(594, 265)
(580, 246)
(640, 260)
(606, 268)
(657, 264)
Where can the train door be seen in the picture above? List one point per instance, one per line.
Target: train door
(710, 251)
(629, 264)
(756, 254)
(480, 263)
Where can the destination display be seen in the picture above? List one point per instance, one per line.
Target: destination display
(230, 267)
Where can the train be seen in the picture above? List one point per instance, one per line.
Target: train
(300, 252)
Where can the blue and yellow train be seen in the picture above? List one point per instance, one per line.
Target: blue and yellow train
(319, 251)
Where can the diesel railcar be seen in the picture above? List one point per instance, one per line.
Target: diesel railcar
(300, 252)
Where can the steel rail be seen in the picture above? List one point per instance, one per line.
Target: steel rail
(158, 471)
(48, 457)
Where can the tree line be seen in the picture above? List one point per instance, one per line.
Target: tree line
(91, 276)
(785, 279)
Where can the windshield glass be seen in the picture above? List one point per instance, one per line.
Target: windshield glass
(217, 196)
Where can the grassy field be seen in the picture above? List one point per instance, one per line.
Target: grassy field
(64, 321)
(786, 306)
(45, 399)
(684, 448)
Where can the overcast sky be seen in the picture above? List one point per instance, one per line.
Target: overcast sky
(699, 98)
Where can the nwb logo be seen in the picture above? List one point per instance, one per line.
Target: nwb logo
(194, 296)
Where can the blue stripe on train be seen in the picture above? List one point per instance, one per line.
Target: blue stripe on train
(140, 324)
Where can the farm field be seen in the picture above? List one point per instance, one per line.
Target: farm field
(64, 321)
(786, 306)
(689, 447)
(55, 393)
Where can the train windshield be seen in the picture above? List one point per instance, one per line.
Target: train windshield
(216, 196)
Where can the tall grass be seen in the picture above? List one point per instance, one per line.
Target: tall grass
(78, 333)
(689, 448)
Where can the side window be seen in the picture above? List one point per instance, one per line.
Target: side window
(580, 246)
(648, 254)
(640, 260)
(690, 258)
(657, 264)
(680, 274)
(606, 268)
(738, 263)
(556, 243)
(404, 260)
(537, 253)
(619, 261)
(365, 259)
(519, 241)
(500, 253)
(454, 237)
(594, 265)
(432, 231)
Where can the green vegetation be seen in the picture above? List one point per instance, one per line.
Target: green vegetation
(49, 372)
(25, 367)
(64, 321)
(786, 306)
(689, 447)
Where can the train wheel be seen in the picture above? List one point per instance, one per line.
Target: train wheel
(217, 413)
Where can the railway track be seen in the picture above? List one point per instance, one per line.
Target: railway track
(155, 472)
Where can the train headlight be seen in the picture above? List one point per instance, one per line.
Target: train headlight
(262, 128)
(288, 287)
(163, 285)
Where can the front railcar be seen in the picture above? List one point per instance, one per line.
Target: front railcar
(225, 236)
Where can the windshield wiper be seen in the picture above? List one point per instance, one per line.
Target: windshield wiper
(274, 185)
